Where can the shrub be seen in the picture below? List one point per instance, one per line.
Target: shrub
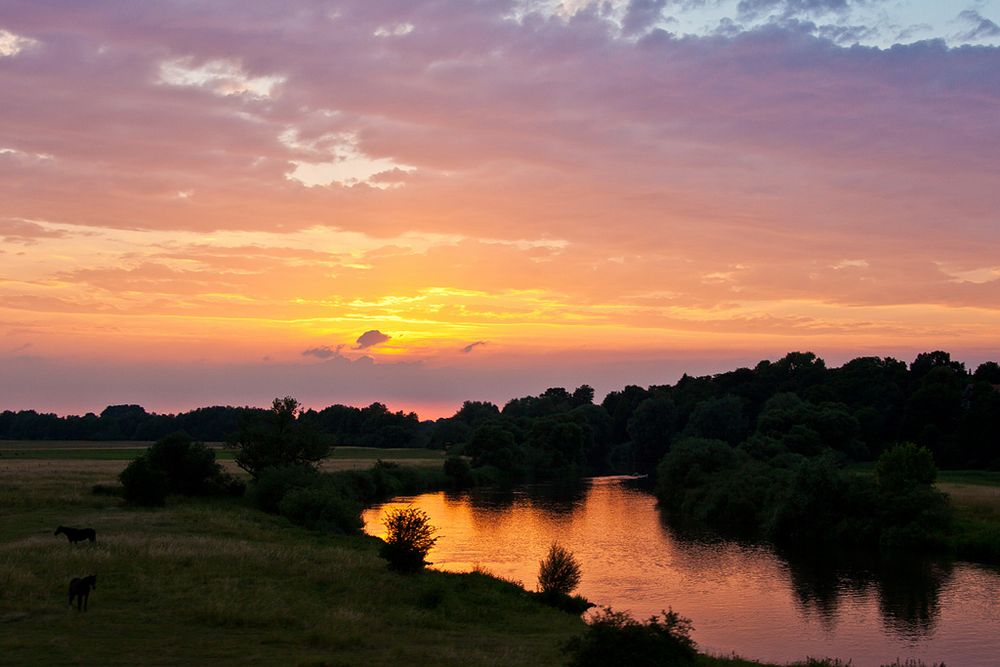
(176, 464)
(459, 472)
(559, 572)
(321, 509)
(267, 491)
(409, 537)
(142, 484)
(189, 466)
(905, 466)
(615, 638)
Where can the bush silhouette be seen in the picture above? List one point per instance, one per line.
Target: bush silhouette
(143, 484)
(559, 573)
(321, 509)
(409, 537)
(615, 638)
(176, 464)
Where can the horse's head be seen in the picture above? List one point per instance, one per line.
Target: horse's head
(93, 580)
(60, 529)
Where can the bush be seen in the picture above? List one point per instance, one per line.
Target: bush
(615, 638)
(409, 537)
(559, 573)
(905, 466)
(189, 466)
(321, 509)
(459, 472)
(271, 486)
(176, 464)
(142, 484)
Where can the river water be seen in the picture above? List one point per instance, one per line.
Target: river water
(742, 598)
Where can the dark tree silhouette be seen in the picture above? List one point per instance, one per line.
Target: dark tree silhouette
(277, 438)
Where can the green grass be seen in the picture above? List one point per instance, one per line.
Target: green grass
(217, 582)
(977, 477)
(975, 495)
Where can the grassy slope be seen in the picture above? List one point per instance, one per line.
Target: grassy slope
(216, 581)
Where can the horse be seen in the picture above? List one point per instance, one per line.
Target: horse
(80, 588)
(75, 535)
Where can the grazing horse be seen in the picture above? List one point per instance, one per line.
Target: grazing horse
(80, 589)
(77, 534)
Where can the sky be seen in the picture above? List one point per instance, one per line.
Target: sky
(426, 201)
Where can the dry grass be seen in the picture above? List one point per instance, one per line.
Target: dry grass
(975, 502)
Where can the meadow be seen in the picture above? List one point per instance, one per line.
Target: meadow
(216, 581)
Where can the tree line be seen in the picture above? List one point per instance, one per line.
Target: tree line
(371, 426)
(796, 403)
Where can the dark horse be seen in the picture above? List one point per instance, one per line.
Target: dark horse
(80, 589)
(77, 534)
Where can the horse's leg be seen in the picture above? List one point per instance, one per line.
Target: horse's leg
(85, 596)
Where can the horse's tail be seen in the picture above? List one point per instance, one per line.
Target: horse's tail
(92, 535)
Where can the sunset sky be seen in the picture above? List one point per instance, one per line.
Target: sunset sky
(425, 201)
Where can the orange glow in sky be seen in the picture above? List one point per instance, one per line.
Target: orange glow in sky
(511, 202)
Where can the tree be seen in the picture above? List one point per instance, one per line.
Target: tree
(277, 438)
(652, 428)
(409, 537)
(559, 573)
(905, 466)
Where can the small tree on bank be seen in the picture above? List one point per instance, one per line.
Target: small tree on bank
(278, 439)
(409, 538)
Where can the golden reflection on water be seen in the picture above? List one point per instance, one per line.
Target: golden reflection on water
(741, 597)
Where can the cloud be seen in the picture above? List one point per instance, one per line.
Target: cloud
(642, 15)
(789, 8)
(27, 232)
(322, 352)
(371, 338)
(983, 28)
(471, 346)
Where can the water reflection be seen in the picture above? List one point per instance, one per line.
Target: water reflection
(907, 588)
(742, 597)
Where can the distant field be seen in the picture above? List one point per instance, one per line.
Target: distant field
(93, 450)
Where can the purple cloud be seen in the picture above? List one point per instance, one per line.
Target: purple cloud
(322, 352)
(371, 338)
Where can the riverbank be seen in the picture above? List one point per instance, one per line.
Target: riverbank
(975, 495)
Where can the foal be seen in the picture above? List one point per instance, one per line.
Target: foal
(80, 589)
(75, 535)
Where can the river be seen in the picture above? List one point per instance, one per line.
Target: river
(742, 598)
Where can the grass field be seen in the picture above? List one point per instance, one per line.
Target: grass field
(214, 581)
(342, 457)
